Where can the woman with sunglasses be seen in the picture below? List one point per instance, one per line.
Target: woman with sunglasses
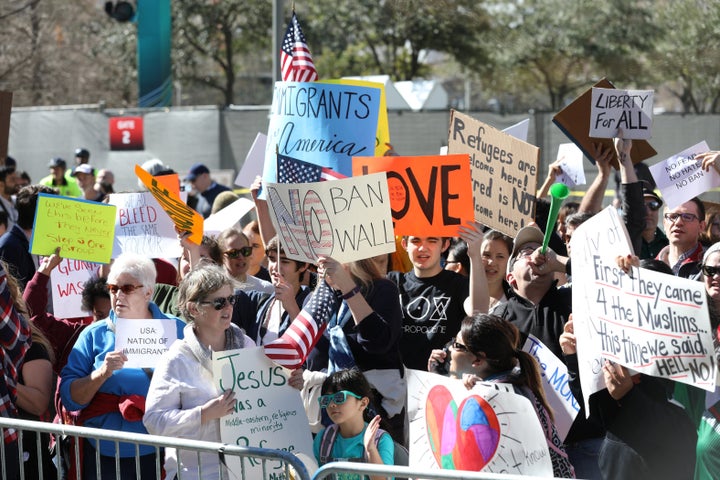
(183, 400)
(236, 252)
(487, 350)
(95, 382)
(355, 434)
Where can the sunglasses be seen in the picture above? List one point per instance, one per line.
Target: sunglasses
(337, 398)
(709, 271)
(220, 302)
(686, 217)
(653, 205)
(126, 289)
(236, 252)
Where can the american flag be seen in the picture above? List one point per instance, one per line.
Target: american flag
(295, 59)
(292, 170)
(293, 347)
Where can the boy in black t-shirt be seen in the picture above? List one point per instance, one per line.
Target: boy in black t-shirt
(434, 301)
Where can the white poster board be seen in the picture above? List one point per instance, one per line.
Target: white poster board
(556, 384)
(269, 413)
(253, 165)
(143, 227)
(614, 109)
(519, 130)
(347, 219)
(68, 280)
(488, 428)
(571, 162)
(681, 177)
(227, 217)
(144, 341)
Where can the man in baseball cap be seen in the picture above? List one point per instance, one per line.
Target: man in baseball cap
(60, 179)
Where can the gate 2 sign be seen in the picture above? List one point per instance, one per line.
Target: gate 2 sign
(126, 133)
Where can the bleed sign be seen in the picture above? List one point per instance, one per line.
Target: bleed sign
(126, 133)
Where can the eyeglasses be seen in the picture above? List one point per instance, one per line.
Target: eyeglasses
(460, 347)
(686, 217)
(653, 205)
(236, 252)
(220, 302)
(709, 271)
(337, 398)
(126, 289)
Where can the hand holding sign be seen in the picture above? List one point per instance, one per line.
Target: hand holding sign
(710, 159)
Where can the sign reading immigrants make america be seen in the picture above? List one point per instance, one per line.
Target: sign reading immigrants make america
(320, 123)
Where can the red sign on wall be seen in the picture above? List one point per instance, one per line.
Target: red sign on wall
(126, 133)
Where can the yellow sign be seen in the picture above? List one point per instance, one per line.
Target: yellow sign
(82, 229)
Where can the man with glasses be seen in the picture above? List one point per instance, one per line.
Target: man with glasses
(683, 226)
(653, 238)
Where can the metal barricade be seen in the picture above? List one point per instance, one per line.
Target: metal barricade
(328, 470)
(289, 466)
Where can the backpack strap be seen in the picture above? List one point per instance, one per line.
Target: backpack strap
(380, 432)
(326, 443)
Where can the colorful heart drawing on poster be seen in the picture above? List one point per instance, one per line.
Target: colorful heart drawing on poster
(464, 437)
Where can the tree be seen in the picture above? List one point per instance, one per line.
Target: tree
(209, 37)
(391, 37)
(686, 60)
(562, 46)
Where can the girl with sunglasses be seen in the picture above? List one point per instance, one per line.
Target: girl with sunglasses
(355, 434)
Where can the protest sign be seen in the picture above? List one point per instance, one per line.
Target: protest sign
(382, 136)
(504, 173)
(427, 194)
(83, 230)
(489, 428)
(253, 165)
(5, 110)
(68, 280)
(681, 177)
(347, 219)
(571, 162)
(519, 130)
(613, 110)
(556, 384)
(144, 341)
(574, 121)
(320, 123)
(268, 412)
(650, 322)
(227, 217)
(142, 227)
(185, 218)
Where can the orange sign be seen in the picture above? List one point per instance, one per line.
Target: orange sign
(429, 195)
(185, 218)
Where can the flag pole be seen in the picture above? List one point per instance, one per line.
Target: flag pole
(277, 257)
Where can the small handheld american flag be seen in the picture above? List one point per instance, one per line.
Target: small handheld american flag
(292, 170)
(295, 60)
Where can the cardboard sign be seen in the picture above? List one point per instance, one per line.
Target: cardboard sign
(681, 177)
(142, 227)
(227, 217)
(571, 162)
(253, 165)
(83, 230)
(144, 341)
(126, 133)
(650, 322)
(574, 121)
(489, 428)
(320, 123)
(185, 218)
(382, 137)
(5, 110)
(613, 110)
(556, 385)
(68, 281)
(504, 173)
(427, 194)
(347, 219)
(268, 413)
